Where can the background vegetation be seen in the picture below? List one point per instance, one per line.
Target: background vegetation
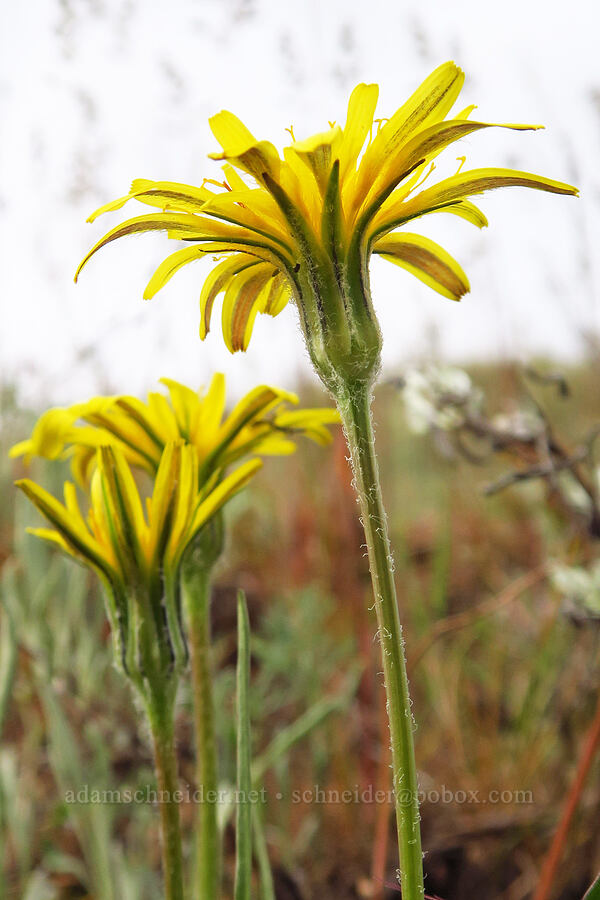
(503, 667)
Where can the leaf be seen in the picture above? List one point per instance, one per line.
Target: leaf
(243, 862)
(8, 659)
(267, 888)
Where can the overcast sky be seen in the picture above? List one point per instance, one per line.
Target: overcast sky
(96, 92)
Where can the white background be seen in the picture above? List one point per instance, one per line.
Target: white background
(96, 92)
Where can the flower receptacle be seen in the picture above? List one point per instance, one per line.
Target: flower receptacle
(205, 549)
(345, 348)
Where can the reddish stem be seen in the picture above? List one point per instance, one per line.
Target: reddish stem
(554, 855)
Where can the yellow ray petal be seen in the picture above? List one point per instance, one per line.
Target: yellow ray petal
(185, 503)
(402, 212)
(458, 187)
(359, 122)
(180, 224)
(279, 298)
(271, 292)
(156, 424)
(160, 417)
(234, 179)
(240, 306)
(222, 248)
(228, 233)
(421, 148)
(427, 260)
(214, 402)
(217, 281)
(82, 464)
(255, 405)
(231, 132)
(312, 423)
(124, 432)
(112, 206)
(48, 534)
(212, 410)
(238, 432)
(160, 505)
(50, 434)
(318, 153)
(79, 539)
(123, 506)
(241, 148)
(266, 443)
(468, 211)
(22, 448)
(72, 505)
(170, 266)
(164, 194)
(268, 291)
(223, 492)
(170, 195)
(255, 210)
(100, 523)
(186, 404)
(477, 181)
(297, 184)
(429, 104)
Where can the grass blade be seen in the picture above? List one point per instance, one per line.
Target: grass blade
(8, 659)
(243, 863)
(267, 888)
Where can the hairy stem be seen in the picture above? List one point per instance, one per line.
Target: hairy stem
(354, 403)
(160, 706)
(196, 595)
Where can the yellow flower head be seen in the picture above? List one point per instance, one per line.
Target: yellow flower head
(304, 226)
(261, 423)
(137, 552)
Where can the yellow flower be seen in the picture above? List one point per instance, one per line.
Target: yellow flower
(137, 554)
(259, 424)
(304, 226)
(185, 442)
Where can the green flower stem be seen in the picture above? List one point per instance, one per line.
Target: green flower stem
(354, 403)
(196, 597)
(160, 702)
